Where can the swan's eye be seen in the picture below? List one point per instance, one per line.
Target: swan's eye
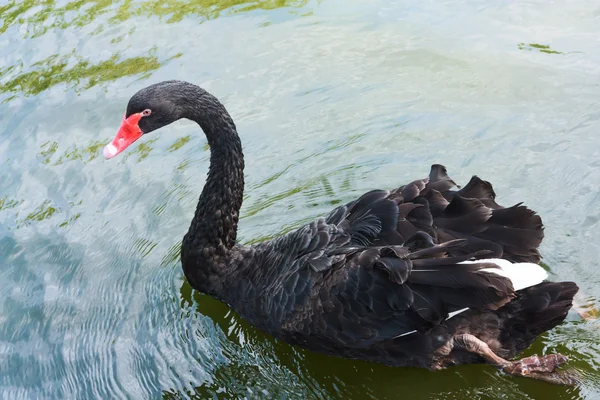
(146, 112)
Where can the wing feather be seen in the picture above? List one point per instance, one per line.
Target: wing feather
(388, 263)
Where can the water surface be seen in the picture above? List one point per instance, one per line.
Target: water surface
(331, 98)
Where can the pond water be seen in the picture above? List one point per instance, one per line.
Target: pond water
(331, 98)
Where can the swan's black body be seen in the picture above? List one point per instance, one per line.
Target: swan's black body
(358, 281)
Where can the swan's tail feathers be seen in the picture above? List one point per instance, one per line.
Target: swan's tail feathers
(536, 310)
(522, 275)
(435, 210)
(435, 206)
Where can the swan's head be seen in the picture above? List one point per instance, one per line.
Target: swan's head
(149, 109)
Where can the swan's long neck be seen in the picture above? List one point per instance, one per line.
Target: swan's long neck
(213, 230)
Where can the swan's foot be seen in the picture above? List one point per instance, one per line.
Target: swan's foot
(568, 377)
(534, 367)
(534, 363)
(543, 369)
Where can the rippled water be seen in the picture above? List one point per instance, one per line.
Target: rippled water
(331, 98)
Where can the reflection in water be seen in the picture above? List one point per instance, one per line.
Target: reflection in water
(7, 204)
(143, 247)
(50, 155)
(42, 212)
(142, 150)
(35, 19)
(74, 71)
(179, 143)
(176, 10)
(542, 48)
(172, 256)
(84, 154)
(48, 15)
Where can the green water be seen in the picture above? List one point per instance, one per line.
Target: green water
(331, 98)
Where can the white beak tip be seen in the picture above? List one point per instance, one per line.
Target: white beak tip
(110, 151)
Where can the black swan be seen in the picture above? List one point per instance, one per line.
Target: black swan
(424, 275)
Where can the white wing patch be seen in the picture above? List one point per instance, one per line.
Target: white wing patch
(522, 275)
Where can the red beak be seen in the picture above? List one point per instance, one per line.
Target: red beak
(128, 133)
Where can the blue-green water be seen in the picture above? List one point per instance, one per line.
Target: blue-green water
(331, 98)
